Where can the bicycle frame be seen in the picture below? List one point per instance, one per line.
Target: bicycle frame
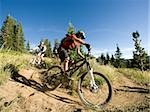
(74, 67)
(89, 69)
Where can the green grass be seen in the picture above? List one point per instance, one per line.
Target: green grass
(107, 70)
(136, 75)
(9, 57)
(21, 60)
(114, 74)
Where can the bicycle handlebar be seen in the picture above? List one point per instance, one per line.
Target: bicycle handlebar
(89, 53)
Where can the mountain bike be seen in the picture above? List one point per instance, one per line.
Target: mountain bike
(94, 88)
(37, 63)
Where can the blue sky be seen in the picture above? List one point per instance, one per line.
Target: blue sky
(105, 22)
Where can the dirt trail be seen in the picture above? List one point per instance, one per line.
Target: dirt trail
(18, 97)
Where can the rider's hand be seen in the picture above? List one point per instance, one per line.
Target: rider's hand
(88, 46)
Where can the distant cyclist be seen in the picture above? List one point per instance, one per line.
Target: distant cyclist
(41, 52)
(70, 42)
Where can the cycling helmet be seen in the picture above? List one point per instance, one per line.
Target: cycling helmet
(41, 43)
(81, 34)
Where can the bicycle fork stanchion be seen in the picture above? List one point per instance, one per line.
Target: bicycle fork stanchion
(93, 85)
(92, 81)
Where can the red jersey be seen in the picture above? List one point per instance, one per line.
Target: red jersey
(69, 42)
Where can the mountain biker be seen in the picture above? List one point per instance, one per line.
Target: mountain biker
(70, 42)
(41, 52)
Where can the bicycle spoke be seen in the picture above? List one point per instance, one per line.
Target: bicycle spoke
(97, 95)
(53, 77)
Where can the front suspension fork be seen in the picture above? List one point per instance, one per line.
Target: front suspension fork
(92, 81)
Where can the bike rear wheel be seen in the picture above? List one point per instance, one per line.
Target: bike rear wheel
(94, 99)
(52, 78)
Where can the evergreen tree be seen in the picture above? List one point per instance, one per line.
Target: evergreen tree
(21, 41)
(71, 29)
(56, 46)
(48, 46)
(12, 35)
(139, 55)
(112, 60)
(18, 40)
(107, 59)
(98, 59)
(73, 53)
(103, 59)
(118, 57)
(147, 65)
(28, 46)
(15, 44)
(7, 30)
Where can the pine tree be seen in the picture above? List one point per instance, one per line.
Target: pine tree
(48, 46)
(112, 60)
(20, 36)
(103, 59)
(18, 41)
(28, 46)
(15, 45)
(73, 53)
(71, 29)
(12, 35)
(118, 57)
(139, 55)
(98, 59)
(56, 46)
(7, 30)
(107, 59)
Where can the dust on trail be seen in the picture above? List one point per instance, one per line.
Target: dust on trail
(18, 97)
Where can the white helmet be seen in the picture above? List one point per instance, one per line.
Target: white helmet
(42, 43)
(80, 32)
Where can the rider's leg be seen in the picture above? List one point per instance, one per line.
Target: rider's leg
(42, 57)
(39, 57)
(66, 62)
(64, 57)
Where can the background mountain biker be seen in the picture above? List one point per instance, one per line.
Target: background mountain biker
(70, 42)
(40, 56)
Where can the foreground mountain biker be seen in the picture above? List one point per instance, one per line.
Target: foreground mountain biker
(40, 56)
(70, 42)
(94, 89)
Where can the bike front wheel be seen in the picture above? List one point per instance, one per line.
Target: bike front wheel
(95, 98)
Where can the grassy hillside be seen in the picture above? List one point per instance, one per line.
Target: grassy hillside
(9, 57)
(21, 60)
(114, 74)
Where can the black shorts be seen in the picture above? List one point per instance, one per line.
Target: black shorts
(63, 54)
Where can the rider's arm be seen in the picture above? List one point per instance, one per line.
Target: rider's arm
(44, 49)
(79, 52)
(81, 41)
(78, 39)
